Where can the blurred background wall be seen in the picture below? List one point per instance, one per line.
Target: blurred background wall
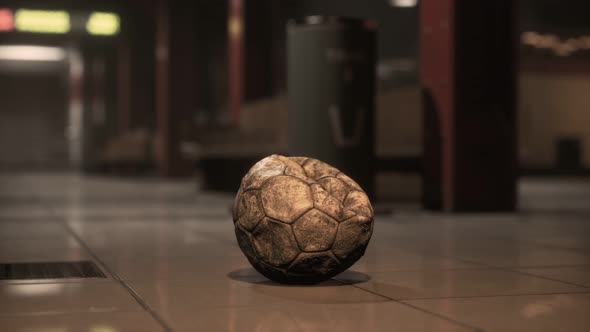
(175, 74)
(33, 120)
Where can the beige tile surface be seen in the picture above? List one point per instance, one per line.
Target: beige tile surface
(386, 316)
(11, 212)
(175, 248)
(199, 267)
(233, 319)
(531, 313)
(458, 283)
(82, 322)
(22, 230)
(522, 256)
(176, 295)
(42, 250)
(381, 260)
(145, 247)
(51, 298)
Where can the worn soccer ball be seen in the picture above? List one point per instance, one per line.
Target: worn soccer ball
(301, 221)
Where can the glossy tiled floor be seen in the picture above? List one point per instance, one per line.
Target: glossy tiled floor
(173, 264)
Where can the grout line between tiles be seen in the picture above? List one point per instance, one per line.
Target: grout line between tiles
(165, 326)
(489, 296)
(479, 267)
(529, 267)
(123, 283)
(475, 329)
(552, 246)
(429, 269)
(547, 278)
(515, 270)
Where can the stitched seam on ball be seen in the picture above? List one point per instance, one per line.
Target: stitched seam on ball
(266, 180)
(333, 256)
(305, 163)
(295, 236)
(335, 234)
(328, 192)
(260, 205)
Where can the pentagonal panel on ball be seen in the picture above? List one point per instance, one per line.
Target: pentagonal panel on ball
(286, 198)
(320, 263)
(315, 231)
(250, 209)
(352, 237)
(274, 242)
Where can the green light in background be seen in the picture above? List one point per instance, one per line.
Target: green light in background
(42, 21)
(106, 24)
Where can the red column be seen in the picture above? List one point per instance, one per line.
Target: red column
(437, 76)
(468, 74)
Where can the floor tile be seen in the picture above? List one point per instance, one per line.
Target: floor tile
(579, 275)
(83, 322)
(30, 250)
(142, 239)
(534, 313)
(386, 259)
(47, 229)
(522, 256)
(18, 212)
(175, 295)
(199, 267)
(575, 242)
(65, 297)
(235, 319)
(175, 246)
(373, 317)
(457, 283)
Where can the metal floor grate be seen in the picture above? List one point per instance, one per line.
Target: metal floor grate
(50, 270)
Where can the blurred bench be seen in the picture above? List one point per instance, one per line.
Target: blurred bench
(129, 152)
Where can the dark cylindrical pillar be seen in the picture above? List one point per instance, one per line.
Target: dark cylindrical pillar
(331, 83)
